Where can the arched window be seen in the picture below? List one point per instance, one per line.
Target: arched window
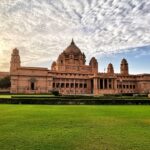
(32, 82)
(32, 86)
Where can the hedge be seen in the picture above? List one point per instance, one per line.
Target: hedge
(56, 101)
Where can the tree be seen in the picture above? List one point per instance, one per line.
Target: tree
(5, 82)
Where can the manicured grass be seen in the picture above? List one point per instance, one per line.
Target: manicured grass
(5, 96)
(44, 127)
(24, 96)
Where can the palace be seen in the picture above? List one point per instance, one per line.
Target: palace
(70, 75)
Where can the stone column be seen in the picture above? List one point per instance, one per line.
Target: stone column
(95, 86)
(108, 83)
(112, 83)
(103, 83)
(65, 85)
(47, 84)
(100, 84)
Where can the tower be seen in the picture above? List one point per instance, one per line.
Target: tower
(53, 66)
(124, 67)
(15, 60)
(94, 64)
(110, 69)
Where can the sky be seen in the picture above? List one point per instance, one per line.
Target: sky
(107, 29)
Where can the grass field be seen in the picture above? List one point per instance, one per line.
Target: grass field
(24, 96)
(40, 127)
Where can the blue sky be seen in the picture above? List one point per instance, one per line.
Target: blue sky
(107, 29)
(138, 60)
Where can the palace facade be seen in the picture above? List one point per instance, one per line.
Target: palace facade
(69, 74)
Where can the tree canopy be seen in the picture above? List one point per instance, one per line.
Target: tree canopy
(5, 82)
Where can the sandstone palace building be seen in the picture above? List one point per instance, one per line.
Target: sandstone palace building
(70, 75)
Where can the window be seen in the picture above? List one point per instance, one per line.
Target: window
(76, 85)
(53, 85)
(80, 85)
(85, 85)
(67, 85)
(72, 85)
(57, 85)
(62, 85)
(101, 83)
(110, 86)
(32, 86)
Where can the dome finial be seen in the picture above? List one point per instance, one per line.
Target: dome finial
(72, 42)
(72, 48)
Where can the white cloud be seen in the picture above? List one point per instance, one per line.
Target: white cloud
(42, 29)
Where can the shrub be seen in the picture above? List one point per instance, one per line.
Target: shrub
(56, 93)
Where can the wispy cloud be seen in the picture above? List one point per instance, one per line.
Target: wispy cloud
(42, 29)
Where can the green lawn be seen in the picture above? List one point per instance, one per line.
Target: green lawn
(24, 96)
(46, 127)
(5, 96)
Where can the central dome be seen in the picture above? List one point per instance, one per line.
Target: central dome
(72, 49)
